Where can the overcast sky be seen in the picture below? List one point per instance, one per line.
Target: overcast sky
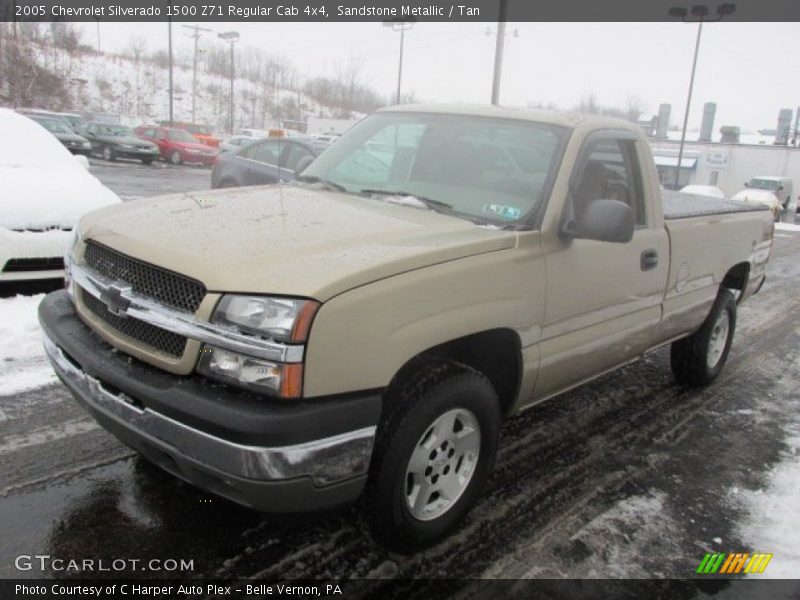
(749, 69)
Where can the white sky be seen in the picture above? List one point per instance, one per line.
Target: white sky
(748, 69)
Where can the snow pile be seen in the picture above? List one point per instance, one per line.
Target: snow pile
(786, 227)
(23, 364)
(775, 513)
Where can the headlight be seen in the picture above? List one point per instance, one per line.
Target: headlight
(284, 380)
(87, 144)
(280, 319)
(126, 146)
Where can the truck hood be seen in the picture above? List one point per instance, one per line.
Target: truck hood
(286, 240)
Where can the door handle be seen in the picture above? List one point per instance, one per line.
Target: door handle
(649, 260)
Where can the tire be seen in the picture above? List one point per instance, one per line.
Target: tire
(228, 183)
(175, 158)
(108, 154)
(147, 161)
(425, 445)
(698, 359)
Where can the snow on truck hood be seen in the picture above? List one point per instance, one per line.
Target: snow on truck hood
(41, 183)
(288, 240)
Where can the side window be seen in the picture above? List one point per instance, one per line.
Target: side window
(298, 157)
(266, 152)
(611, 171)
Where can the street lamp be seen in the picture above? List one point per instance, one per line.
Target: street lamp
(400, 25)
(699, 13)
(231, 37)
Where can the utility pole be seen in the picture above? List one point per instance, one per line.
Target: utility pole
(196, 35)
(231, 37)
(400, 25)
(500, 41)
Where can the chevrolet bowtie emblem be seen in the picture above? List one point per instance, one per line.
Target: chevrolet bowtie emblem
(114, 299)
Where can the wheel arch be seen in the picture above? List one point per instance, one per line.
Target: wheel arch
(496, 353)
(736, 279)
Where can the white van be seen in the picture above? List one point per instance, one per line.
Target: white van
(780, 186)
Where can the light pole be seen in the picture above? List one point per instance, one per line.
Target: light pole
(171, 112)
(699, 13)
(400, 25)
(231, 37)
(196, 35)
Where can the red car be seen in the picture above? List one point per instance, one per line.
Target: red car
(177, 145)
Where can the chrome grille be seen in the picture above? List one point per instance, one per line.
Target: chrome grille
(155, 337)
(148, 280)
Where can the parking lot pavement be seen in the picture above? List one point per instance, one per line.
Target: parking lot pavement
(132, 180)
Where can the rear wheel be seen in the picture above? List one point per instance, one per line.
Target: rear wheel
(434, 452)
(147, 161)
(108, 153)
(175, 158)
(699, 359)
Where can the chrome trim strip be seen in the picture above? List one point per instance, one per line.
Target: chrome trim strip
(180, 322)
(327, 460)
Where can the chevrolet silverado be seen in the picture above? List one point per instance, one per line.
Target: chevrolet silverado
(368, 328)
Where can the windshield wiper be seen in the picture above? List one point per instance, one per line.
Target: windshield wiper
(314, 179)
(436, 205)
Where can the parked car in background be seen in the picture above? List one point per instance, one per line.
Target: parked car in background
(709, 191)
(253, 133)
(118, 141)
(200, 132)
(267, 161)
(758, 196)
(780, 186)
(177, 145)
(235, 143)
(77, 144)
(44, 190)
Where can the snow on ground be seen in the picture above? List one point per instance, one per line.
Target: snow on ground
(787, 227)
(775, 513)
(23, 364)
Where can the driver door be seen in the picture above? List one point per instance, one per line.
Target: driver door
(603, 299)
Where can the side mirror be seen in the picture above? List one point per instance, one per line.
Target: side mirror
(602, 221)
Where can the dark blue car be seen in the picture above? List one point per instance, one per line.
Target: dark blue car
(265, 161)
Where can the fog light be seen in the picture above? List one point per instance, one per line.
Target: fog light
(251, 373)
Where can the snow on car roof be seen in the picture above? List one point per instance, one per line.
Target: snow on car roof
(33, 144)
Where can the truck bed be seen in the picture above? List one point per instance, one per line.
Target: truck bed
(684, 206)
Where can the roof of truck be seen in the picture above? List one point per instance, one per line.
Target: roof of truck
(565, 119)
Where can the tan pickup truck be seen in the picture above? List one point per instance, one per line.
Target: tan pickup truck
(369, 328)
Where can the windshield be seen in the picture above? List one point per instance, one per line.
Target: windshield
(54, 126)
(764, 184)
(198, 129)
(115, 130)
(486, 169)
(179, 135)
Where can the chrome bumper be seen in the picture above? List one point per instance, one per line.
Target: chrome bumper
(326, 461)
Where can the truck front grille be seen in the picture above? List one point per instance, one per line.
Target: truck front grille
(155, 337)
(145, 279)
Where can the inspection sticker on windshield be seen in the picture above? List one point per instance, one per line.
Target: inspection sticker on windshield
(504, 212)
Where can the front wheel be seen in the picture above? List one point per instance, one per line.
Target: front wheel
(175, 158)
(108, 153)
(698, 359)
(434, 453)
(147, 161)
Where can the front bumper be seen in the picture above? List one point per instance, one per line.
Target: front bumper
(31, 245)
(136, 154)
(268, 455)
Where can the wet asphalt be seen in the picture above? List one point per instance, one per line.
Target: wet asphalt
(629, 476)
